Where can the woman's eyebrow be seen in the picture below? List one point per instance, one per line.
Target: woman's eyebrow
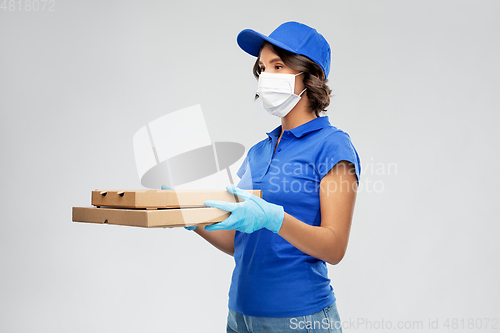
(277, 59)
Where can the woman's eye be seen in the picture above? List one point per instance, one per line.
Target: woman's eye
(278, 67)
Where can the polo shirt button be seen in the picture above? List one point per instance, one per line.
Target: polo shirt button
(279, 149)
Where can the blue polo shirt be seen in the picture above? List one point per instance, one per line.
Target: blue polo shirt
(272, 278)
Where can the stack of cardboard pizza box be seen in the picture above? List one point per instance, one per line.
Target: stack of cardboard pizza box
(155, 208)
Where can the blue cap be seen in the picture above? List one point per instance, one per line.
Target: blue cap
(295, 37)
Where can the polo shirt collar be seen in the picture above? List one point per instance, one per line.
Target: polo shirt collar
(304, 129)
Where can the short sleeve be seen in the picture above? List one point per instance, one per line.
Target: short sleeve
(336, 147)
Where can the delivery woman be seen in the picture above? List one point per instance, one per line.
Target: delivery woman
(308, 171)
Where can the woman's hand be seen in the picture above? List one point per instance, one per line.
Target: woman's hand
(253, 214)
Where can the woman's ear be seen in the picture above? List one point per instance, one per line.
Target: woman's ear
(319, 75)
(313, 73)
(316, 75)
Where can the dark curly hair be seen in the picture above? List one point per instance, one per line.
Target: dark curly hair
(317, 91)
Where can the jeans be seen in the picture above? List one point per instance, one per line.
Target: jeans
(326, 320)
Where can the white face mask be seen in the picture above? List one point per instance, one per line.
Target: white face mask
(277, 92)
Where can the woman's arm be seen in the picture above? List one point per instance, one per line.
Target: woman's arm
(337, 198)
(221, 239)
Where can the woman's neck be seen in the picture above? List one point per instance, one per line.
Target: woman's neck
(299, 115)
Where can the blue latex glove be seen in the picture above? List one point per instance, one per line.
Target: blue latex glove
(253, 214)
(164, 187)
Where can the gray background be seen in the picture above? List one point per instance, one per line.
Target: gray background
(416, 85)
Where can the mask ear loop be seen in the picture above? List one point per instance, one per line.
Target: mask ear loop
(300, 95)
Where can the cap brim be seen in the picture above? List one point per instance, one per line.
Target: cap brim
(251, 41)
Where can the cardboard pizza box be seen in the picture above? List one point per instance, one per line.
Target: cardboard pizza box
(161, 198)
(150, 218)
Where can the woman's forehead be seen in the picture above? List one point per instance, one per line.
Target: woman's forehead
(267, 55)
